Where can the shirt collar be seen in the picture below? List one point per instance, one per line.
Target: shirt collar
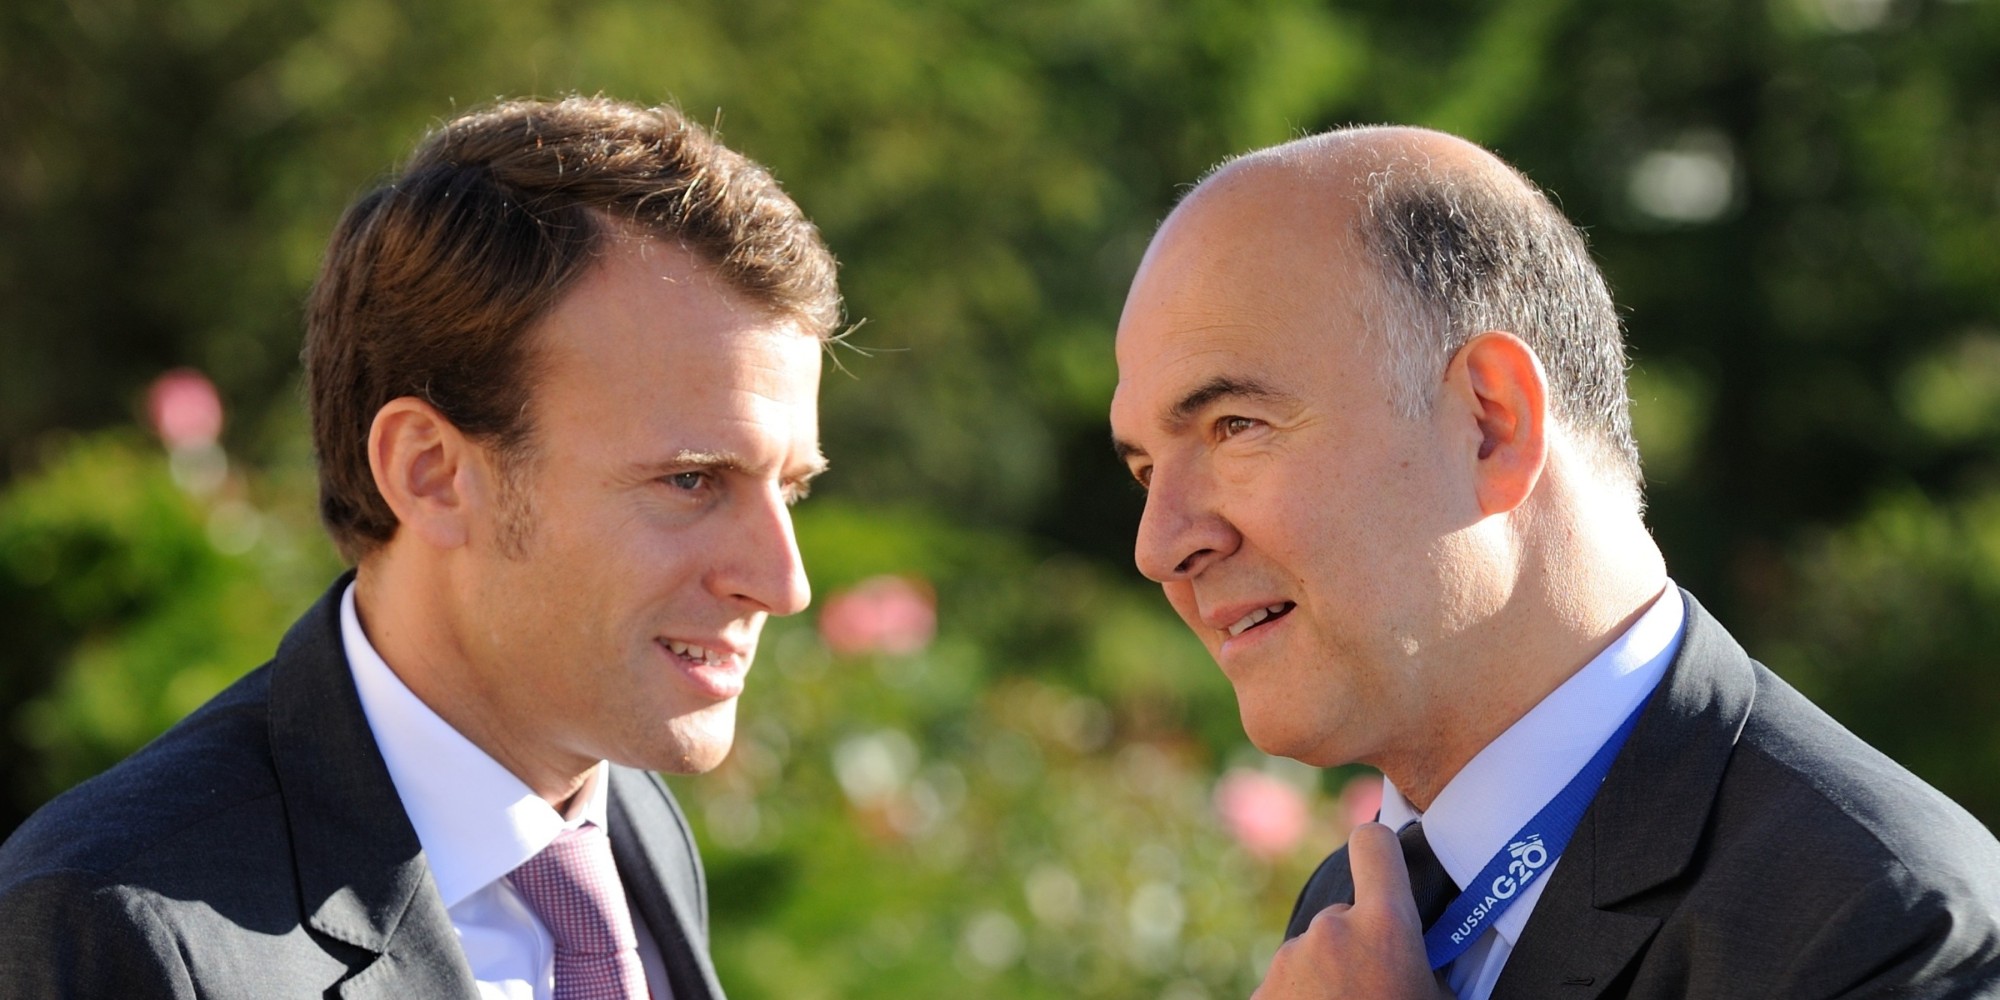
(475, 819)
(1504, 785)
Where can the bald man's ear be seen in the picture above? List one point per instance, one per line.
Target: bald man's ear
(1500, 378)
(420, 461)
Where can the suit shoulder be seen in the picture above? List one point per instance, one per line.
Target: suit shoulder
(1850, 875)
(75, 933)
(203, 771)
(1829, 807)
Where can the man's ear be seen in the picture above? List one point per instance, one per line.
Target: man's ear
(420, 459)
(1499, 378)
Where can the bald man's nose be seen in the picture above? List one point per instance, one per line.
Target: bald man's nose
(1179, 535)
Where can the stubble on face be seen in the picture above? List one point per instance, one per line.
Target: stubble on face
(514, 499)
(598, 558)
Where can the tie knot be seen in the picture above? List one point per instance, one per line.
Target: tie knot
(574, 889)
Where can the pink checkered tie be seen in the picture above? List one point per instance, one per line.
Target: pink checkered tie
(573, 887)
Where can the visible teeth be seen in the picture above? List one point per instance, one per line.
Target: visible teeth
(1254, 617)
(702, 654)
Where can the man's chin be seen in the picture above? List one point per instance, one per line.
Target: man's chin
(696, 742)
(1285, 740)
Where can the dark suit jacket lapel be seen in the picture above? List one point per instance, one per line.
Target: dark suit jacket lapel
(1644, 827)
(361, 871)
(657, 861)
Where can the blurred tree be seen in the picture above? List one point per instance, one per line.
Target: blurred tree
(1894, 633)
(128, 600)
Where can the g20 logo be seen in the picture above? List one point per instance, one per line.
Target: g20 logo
(1530, 856)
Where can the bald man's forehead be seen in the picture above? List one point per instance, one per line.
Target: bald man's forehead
(1274, 240)
(1244, 263)
(1332, 171)
(1270, 178)
(1222, 266)
(1367, 149)
(1262, 212)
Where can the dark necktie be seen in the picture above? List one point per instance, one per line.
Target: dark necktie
(1429, 882)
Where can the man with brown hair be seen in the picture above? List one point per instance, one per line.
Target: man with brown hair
(1374, 388)
(563, 373)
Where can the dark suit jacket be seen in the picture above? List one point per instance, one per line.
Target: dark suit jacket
(1745, 845)
(258, 849)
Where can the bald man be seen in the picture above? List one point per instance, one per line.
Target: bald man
(1374, 388)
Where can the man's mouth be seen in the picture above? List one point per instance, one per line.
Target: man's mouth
(717, 673)
(696, 654)
(1260, 616)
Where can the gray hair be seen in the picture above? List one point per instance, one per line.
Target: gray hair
(1462, 253)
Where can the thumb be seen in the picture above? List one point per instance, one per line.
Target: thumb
(1381, 878)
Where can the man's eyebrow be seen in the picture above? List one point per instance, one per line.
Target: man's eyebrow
(1198, 399)
(1219, 387)
(696, 458)
(815, 465)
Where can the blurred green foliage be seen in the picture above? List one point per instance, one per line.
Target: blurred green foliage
(1795, 201)
(131, 601)
(1909, 586)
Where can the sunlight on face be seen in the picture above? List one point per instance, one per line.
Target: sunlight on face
(674, 423)
(1291, 515)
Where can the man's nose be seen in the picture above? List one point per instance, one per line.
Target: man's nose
(768, 571)
(1180, 532)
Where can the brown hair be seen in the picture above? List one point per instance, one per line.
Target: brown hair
(433, 280)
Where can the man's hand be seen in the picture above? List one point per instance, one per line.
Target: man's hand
(1374, 948)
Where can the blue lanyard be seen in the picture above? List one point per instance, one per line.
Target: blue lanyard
(1526, 856)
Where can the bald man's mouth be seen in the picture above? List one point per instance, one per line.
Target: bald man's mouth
(1260, 616)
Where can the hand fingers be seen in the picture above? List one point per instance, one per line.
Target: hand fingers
(1381, 879)
(1331, 914)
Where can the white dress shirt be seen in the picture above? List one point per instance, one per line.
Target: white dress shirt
(477, 822)
(1508, 782)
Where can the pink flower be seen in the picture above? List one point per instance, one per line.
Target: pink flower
(185, 409)
(1267, 816)
(1360, 799)
(883, 614)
